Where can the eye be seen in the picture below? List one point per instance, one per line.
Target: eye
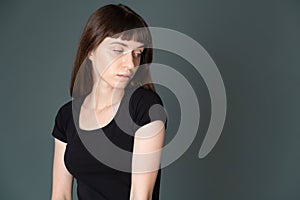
(118, 50)
(137, 54)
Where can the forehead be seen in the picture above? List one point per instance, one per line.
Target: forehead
(130, 44)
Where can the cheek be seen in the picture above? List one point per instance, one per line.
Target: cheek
(102, 66)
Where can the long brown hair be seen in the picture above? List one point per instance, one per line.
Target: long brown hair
(111, 21)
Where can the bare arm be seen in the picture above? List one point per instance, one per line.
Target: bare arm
(62, 180)
(146, 159)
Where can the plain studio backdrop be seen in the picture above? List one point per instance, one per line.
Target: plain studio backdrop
(255, 45)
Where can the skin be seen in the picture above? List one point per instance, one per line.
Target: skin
(115, 62)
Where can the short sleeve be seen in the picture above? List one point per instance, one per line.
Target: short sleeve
(59, 131)
(147, 107)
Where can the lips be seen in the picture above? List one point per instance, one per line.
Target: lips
(124, 76)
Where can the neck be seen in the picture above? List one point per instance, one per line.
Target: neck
(103, 95)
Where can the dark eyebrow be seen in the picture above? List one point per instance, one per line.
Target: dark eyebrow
(123, 44)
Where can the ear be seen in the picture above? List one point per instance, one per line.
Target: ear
(91, 56)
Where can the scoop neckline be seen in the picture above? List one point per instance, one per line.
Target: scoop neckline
(81, 100)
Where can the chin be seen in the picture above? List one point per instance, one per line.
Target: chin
(120, 85)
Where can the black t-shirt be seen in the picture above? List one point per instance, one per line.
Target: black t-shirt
(97, 180)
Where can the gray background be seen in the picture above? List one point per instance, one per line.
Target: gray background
(255, 45)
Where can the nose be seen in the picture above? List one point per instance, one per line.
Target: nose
(127, 60)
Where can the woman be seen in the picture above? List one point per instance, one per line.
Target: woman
(110, 78)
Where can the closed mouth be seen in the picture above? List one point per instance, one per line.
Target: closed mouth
(124, 75)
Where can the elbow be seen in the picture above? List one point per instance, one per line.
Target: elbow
(61, 197)
(61, 193)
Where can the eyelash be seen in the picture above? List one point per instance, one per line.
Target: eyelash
(118, 50)
(136, 55)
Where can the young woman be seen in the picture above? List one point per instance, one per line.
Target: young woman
(110, 78)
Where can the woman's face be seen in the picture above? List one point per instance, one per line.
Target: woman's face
(115, 61)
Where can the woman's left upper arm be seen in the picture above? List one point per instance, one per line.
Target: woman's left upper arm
(147, 149)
